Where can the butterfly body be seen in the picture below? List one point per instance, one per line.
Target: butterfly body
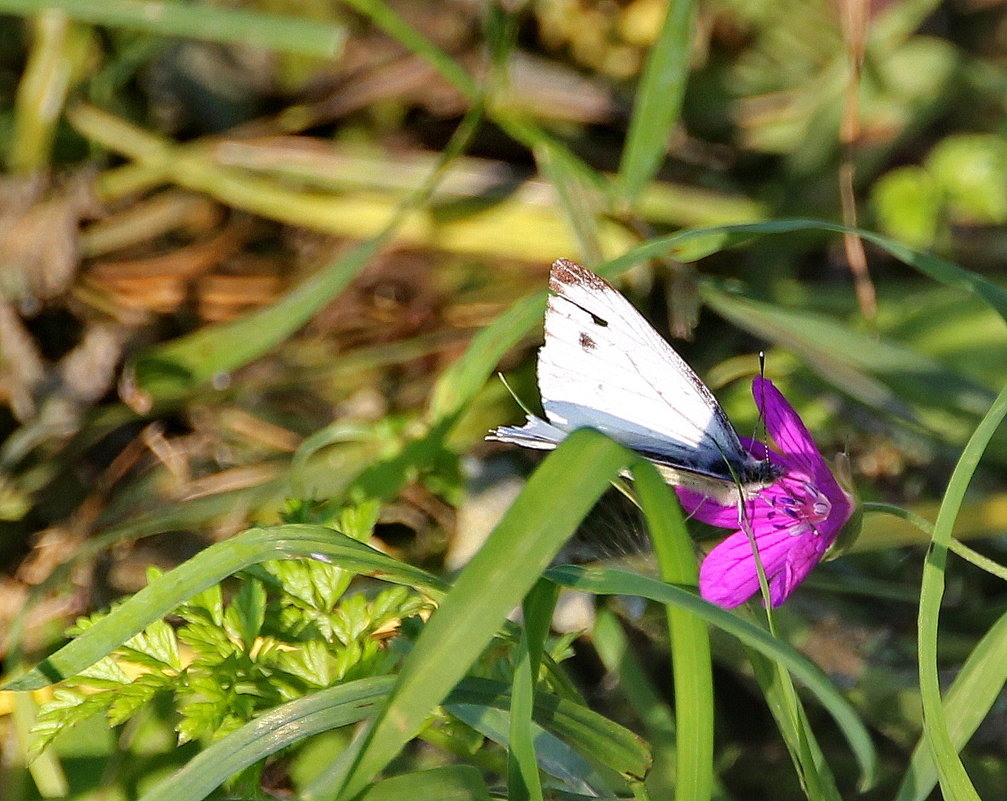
(604, 367)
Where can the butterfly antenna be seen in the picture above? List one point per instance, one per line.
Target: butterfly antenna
(764, 438)
(514, 395)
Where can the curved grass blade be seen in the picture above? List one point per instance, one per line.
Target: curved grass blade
(717, 238)
(552, 755)
(592, 734)
(587, 731)
(621, 582)
(207, 568)
(866, 367)
(175, 367)
(465, 377)
(954, 781)
(975, 689)
(659, 99)
(269, 733)
(690, 640)
(492, 584)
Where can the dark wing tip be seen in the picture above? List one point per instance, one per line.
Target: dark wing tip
(568, 273)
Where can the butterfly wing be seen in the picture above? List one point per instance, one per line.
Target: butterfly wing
(604, 366)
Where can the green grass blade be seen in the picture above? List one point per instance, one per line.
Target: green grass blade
(975, 689)
(493, 583)
(178, 366)
(880, 373)
(554, 756)
(690, 640)
(349, 703)
(718, 238)
(198, 21)
(522, 767)
(658, 99)
(271, 732)
(593, 735)
(578, 200)
(466, 376)
(792, 722)
(620, 582)
(171, 369)
(954, 781)
(462, 380)
(204, 570)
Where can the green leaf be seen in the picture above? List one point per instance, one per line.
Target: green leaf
(658, 99)
(246, 612)
(128, 699)
(492, 584)
(206, 569)
(67, 708)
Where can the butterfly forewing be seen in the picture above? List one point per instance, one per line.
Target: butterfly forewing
(604, 366)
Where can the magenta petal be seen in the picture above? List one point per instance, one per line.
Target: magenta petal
(728, 576)
(786, 427)
(706, 510)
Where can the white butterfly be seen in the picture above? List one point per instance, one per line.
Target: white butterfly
(604, 367)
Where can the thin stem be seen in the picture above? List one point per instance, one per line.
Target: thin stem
(955, 546)
(921, 523)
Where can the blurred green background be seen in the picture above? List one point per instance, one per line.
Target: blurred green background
(244, 247)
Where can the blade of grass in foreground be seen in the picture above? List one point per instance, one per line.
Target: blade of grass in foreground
(955, 782)
(690, 640)
(557, 497)
(585, 730)
(522, 767)
(792, 721)
(621, 582)
(204, 570)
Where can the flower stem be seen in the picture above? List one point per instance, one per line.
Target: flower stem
(955, 546)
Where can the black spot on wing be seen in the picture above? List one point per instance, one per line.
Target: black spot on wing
(586, 342)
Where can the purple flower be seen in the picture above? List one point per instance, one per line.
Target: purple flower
(794, 521)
